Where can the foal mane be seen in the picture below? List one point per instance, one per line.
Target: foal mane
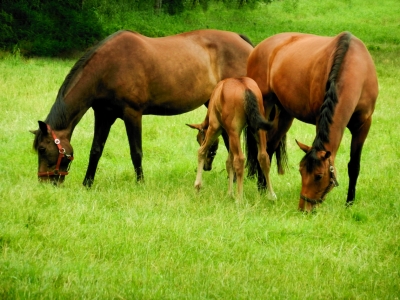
(57, 117)
(330, 99)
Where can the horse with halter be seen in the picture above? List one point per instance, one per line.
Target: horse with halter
(128, 75)
(327, 81)
(235, 104)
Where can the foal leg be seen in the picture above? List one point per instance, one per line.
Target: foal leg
(273, 140)
(231, 173)
(238, 162)
(103, 121)
(133, 125)
(358, 136)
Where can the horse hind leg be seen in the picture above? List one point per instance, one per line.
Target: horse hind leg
(238, 165)
(357, 141)
(133, 126)
(264, 162)
(103, 121)
(229, 169)
(237, 158)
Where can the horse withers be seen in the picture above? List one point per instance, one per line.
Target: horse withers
(327, 81)
(128, 75)
(235, 105)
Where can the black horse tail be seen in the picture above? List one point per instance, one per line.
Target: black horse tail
(253, 116)
(255, 121)
(250, 148)
(330, 99)
(281, 156)
(251, 154)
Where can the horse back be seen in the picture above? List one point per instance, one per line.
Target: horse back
(296, 67)
(157, 75)
(227, 102)
(358, 79)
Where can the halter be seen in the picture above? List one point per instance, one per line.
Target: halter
(333, 182)
(61, 154)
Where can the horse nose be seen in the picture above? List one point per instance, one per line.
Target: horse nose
(207, 167)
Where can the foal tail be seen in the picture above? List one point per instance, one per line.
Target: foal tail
(330, 99)
(255, 120)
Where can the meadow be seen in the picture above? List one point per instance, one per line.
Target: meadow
(161, 239)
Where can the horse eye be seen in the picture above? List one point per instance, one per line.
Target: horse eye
(42, 150)
(318, 177)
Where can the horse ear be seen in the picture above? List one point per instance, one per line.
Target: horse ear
(303, 147)
(195, 126)
(43, 127)
(33, 131)
(327, 154)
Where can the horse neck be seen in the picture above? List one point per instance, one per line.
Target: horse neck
(335, 137)
(69, 109)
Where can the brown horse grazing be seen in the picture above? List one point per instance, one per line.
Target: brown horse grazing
(127, 76)
(327, 81)
(234, 104)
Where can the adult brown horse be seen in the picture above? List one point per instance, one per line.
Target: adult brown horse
(235, 104)
(127, 76)
(327, 81)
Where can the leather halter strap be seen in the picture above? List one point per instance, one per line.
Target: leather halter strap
(61, 155)
(332, 182)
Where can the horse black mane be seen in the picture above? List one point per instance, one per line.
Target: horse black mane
(311, 160)
(330, 100)
(57, 117)
(245, 38)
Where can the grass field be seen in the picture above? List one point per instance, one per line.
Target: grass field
(160, 239)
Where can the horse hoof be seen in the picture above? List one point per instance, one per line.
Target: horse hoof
(273, 197)
(197, 186)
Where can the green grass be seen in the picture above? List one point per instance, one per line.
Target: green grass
(162, 240)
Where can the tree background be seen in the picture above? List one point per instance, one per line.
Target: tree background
(59, 27)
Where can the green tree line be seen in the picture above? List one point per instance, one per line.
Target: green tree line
(50, 28)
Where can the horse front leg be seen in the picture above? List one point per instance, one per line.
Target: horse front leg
(103, 121)
(133, 125)
(353, 168)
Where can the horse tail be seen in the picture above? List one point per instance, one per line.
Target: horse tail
(330, 99)
(255, 121)
(281, 156)
(253, 116)
(250, 148)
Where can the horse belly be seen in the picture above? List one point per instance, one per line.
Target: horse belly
(170, 108)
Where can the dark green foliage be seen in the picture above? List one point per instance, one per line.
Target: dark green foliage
(47, 28)
(174, 7)
(243, 3)
(57, 27)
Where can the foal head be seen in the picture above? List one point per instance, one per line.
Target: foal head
(201, 135)
(318, 177)
(55, 154)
